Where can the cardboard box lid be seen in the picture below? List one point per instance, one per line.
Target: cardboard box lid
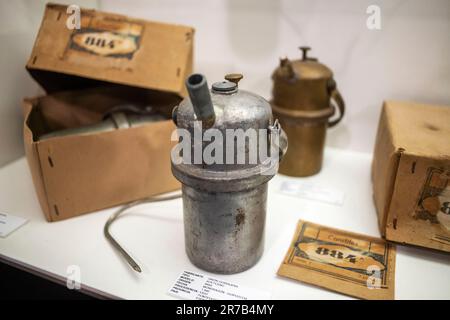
(110, 48)
(419, 129)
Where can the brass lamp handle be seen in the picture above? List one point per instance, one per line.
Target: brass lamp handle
(339, 101)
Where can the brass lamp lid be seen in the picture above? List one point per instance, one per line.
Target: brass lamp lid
(306, 68)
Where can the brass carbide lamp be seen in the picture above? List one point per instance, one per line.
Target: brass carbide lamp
(305, 97)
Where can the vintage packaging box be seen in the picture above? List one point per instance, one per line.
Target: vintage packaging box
(110, 60)
(411, 174)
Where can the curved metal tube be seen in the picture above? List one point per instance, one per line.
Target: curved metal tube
(116, 214)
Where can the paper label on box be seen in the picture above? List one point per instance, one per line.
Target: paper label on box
(312, 191)
(342, 261)
(433, 204)
(117, 39)
(197, 286)
(9, 223)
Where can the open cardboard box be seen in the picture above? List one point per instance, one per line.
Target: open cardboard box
(109, 61)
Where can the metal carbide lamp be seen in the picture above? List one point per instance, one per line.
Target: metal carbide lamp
(304, 99)
(224, 202)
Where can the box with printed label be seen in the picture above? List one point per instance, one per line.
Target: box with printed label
(95, 71)
(411, 174)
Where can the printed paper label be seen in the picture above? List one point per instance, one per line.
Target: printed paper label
(196, 286)
(312, 192)
(9, 223)
(434, 203)
(117, 39)
(350, 263)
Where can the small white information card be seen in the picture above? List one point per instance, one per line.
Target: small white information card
(312, 191)
(9, 223)
(196, 286)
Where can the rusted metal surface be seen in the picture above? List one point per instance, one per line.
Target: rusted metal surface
(224, 204)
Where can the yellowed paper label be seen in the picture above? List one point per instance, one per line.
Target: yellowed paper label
(434, 203)
(118, 39)
(350, 263)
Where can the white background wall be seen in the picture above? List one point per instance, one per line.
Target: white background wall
(408, 59)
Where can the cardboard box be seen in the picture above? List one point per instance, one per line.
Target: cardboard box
(110, 60)
(411, 174)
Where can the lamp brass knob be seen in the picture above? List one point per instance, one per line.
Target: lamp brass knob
(234, 77)
(305, 52)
